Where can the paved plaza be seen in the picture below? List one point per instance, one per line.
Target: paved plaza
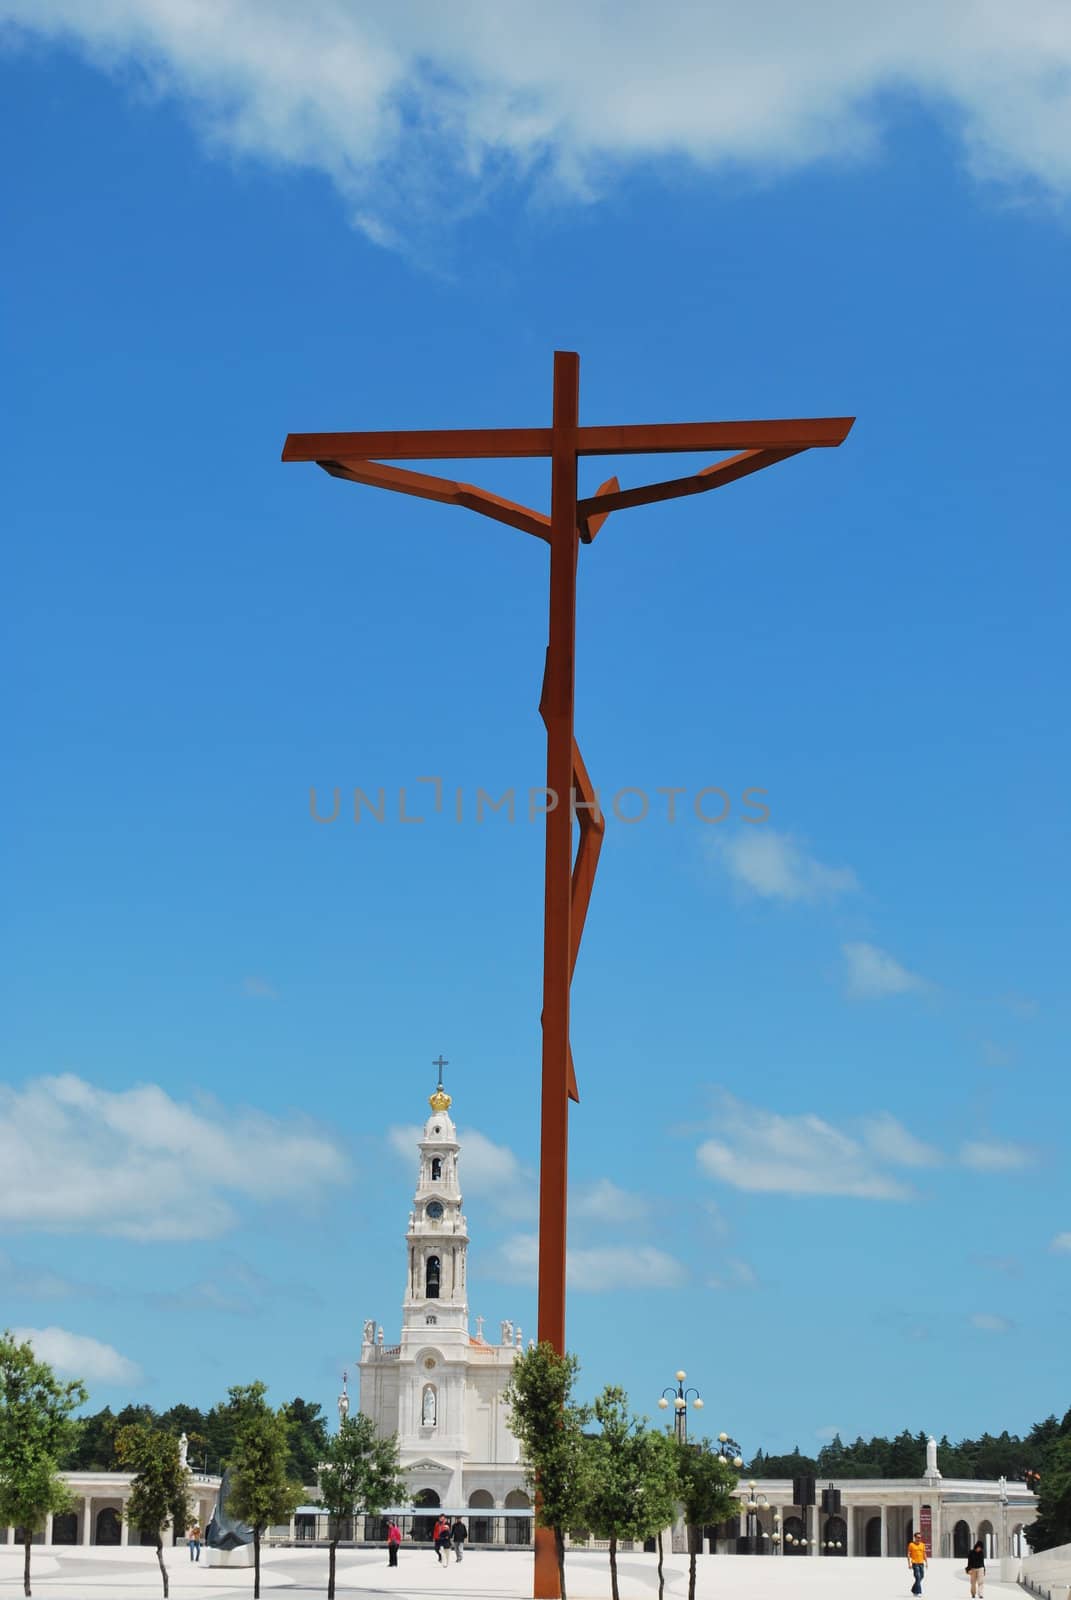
(133, 1575)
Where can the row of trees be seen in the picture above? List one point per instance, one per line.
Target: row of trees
(991, 1456)
(93, 1445)
(620, 1480)
(39, 1437)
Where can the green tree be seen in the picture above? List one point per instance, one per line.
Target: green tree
(262, 1493)
(660, 1493)
(35, 1432)
(360, 1471)
(308, 1438)
(549, 1427)
(1053, 1523)
(615, 1475)
(159, 1488)
(707, 1489)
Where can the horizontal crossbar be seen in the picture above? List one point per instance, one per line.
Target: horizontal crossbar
(462, 444)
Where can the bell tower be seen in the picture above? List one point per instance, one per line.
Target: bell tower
(437, 1240)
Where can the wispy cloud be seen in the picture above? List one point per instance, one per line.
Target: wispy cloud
(995, 1155)
(768, 1152)
(1061, 1244)
(776, 866)
(1024, 1006)
(76, 1355)
(889, 1140)
(597, 1269)
(989, 1322)
(872, 973)
(830, 1431)
(430, 107)
(138, 1164)
(604, 1201)
(259, 989)
(735, 1274)
(1007, 1266)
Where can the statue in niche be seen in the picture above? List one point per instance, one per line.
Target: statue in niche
(427, 1413)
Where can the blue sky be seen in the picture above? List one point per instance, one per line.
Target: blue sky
(820, 1157)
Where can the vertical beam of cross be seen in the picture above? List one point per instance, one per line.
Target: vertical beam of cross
(556, 706)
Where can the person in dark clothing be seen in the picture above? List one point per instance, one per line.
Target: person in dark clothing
(458, 1534)
(976, 1569)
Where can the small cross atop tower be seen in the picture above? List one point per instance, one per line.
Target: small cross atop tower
(441, 1063)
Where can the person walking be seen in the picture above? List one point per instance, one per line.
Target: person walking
(394, 1539)
(976, 1569)
(441, 1539)
(917, 1561)
(458, 1534)
(193, 1540)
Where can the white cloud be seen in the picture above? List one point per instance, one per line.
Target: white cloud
(775, 866)
(767, 1152)
(873, 973)
(891, 1141)
(995, 1155)
(137, 1164)
(987, 1322)
(421, 103)
(1061, 1243)
(604, 1201)
(594, 1270)
(76, 1355)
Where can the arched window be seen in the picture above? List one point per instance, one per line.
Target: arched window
(961, 1540)
(424, 1527)
(518, 1529)
(481, 1529)
(431, 1278)
(430, 1322)
(436, 1168)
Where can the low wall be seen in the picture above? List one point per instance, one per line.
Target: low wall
(1049, 1573)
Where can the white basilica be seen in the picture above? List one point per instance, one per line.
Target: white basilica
(441, 1389)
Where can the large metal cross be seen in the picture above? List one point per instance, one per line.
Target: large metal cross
(360, 458)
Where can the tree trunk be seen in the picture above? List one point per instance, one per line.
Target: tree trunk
(559, 1545)
(691, 1563)
(331, 1568)
(614, 1595)
(661, 1575)
(163, 1569)
(26, 1564)
(256, 1564)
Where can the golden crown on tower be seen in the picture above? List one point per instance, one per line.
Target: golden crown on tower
(440, 1100)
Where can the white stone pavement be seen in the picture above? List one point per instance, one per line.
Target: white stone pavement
(132, 1574)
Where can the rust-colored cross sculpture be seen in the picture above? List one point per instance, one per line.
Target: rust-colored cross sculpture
(571, 801)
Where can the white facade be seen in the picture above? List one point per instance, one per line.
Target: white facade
(440, 1389)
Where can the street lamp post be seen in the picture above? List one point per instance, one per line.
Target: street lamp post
(680, 1397)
